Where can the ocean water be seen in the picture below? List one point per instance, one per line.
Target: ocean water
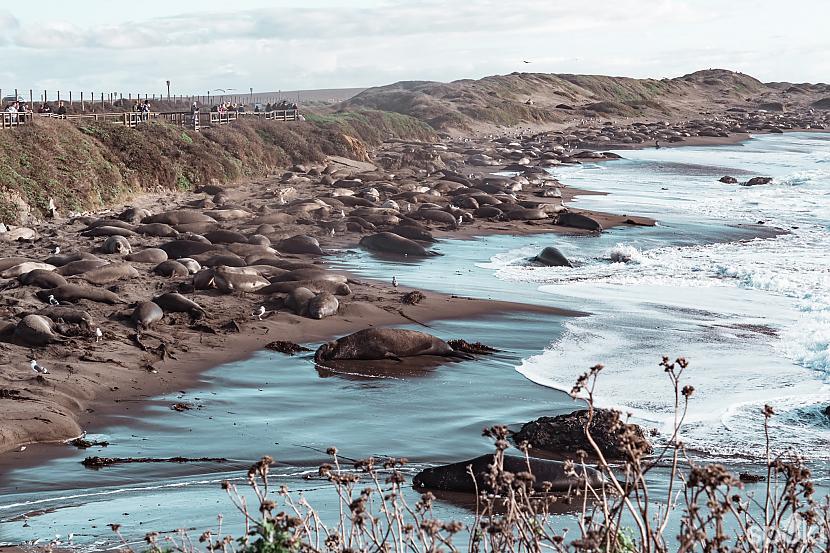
(747, 305)
(752, 315)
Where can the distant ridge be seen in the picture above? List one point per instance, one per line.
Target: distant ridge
(538, 98)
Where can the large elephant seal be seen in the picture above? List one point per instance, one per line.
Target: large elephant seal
(222, 236)
(74, 292)
(297, 300)
(387, 242)
(81, 266)
(66, 258)
(180, 217)
(23, 268)
(229, 281)
(107, 274)
(316, 286)
(34, 330)
(385, 343)
(322, 305)
(148, 255)
(577, 220)
(58, 313)
(146, 314)
(42, 279)
(160, 230)
(552, 257)
(456, 477)
(108, 231)
(171, 268)
(186, 248)
(177, 303)
(312, 273)
(116, 244)
(413, 233)
(9, 262)
(300, 244)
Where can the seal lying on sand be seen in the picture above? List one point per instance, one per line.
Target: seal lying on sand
(455, 478)
(388, 242)
(34, 330)
(385, 343)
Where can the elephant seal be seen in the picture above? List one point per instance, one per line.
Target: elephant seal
(159, 230)
(179, 217)
(185, 248)
(309, 274)
(413, 233)
(297, 300)
(107, 274)
(197, 228)
(259, 240)
(322, 305)
(456, 478)
(133, 214)
(229, 281)
(192, 265)
(81, 266)
(552, 257)
(488, 212)
(149, 255)
(113, 223)
(387, 242)
(577, 220)
(74, 292)
(108, 231)
(316, 286)
(34, 330)
(438, 216)
(204, 279)
(222, 236)
(385, 343)
(64, 259)
(300, 243)
(146, 314)
(226, 259)
(23, 268)
(177, 303)
(42, 279)
(58, 313)
(526, 214)
(9, 262)
(116, 244)
(171, 268)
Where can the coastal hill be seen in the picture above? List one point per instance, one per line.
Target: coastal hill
(545, 99)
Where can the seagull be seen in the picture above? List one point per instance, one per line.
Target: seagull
(98, 335)
(525, 61)
(53, 301)
(39, 369)
(395, 281)
(57, 250)
(259, 313)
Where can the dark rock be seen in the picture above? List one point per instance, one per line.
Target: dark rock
(748, 478)
(728, 180)
(288, 348)
(413, 298)
(477, 348)
(565, 434)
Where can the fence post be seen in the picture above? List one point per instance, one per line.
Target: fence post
(59, 96)
(15, 95)
(70, 99)
(83, 108)
(32, 99)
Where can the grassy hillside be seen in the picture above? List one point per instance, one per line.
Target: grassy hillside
(510, 100)
(90, 166)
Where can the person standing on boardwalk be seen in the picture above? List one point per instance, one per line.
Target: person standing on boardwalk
(194, 114)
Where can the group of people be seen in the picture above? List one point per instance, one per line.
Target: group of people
(20, 111)
(226, 107)
(283, 105)
(142, 108)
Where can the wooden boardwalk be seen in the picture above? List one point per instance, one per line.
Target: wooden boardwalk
(134, 119)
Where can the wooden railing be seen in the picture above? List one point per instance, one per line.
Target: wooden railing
(135, 118)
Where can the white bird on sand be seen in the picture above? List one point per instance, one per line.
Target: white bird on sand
(53, 301)
(38, 368)
(259, 312)
(395, 281)
(57, 250)
(98, 335)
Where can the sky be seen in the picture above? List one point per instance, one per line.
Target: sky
(201, 45)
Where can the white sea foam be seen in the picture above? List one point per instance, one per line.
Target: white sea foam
(754, 316)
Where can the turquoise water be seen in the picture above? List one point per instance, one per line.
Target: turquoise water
(751, 314)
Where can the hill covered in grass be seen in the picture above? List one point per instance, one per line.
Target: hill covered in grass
(535, 98)
(93, 165)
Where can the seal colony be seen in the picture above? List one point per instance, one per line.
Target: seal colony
(177, 285)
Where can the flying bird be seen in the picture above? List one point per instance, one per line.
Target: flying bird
(259, 313)
(53, 301)
(38, 368)
(98, 335)
(525, 61)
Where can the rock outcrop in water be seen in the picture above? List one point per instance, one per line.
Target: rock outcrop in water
(565, 434)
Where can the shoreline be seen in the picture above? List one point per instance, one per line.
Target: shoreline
(90, 404)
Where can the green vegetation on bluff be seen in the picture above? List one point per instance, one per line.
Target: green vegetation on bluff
(93, 165)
